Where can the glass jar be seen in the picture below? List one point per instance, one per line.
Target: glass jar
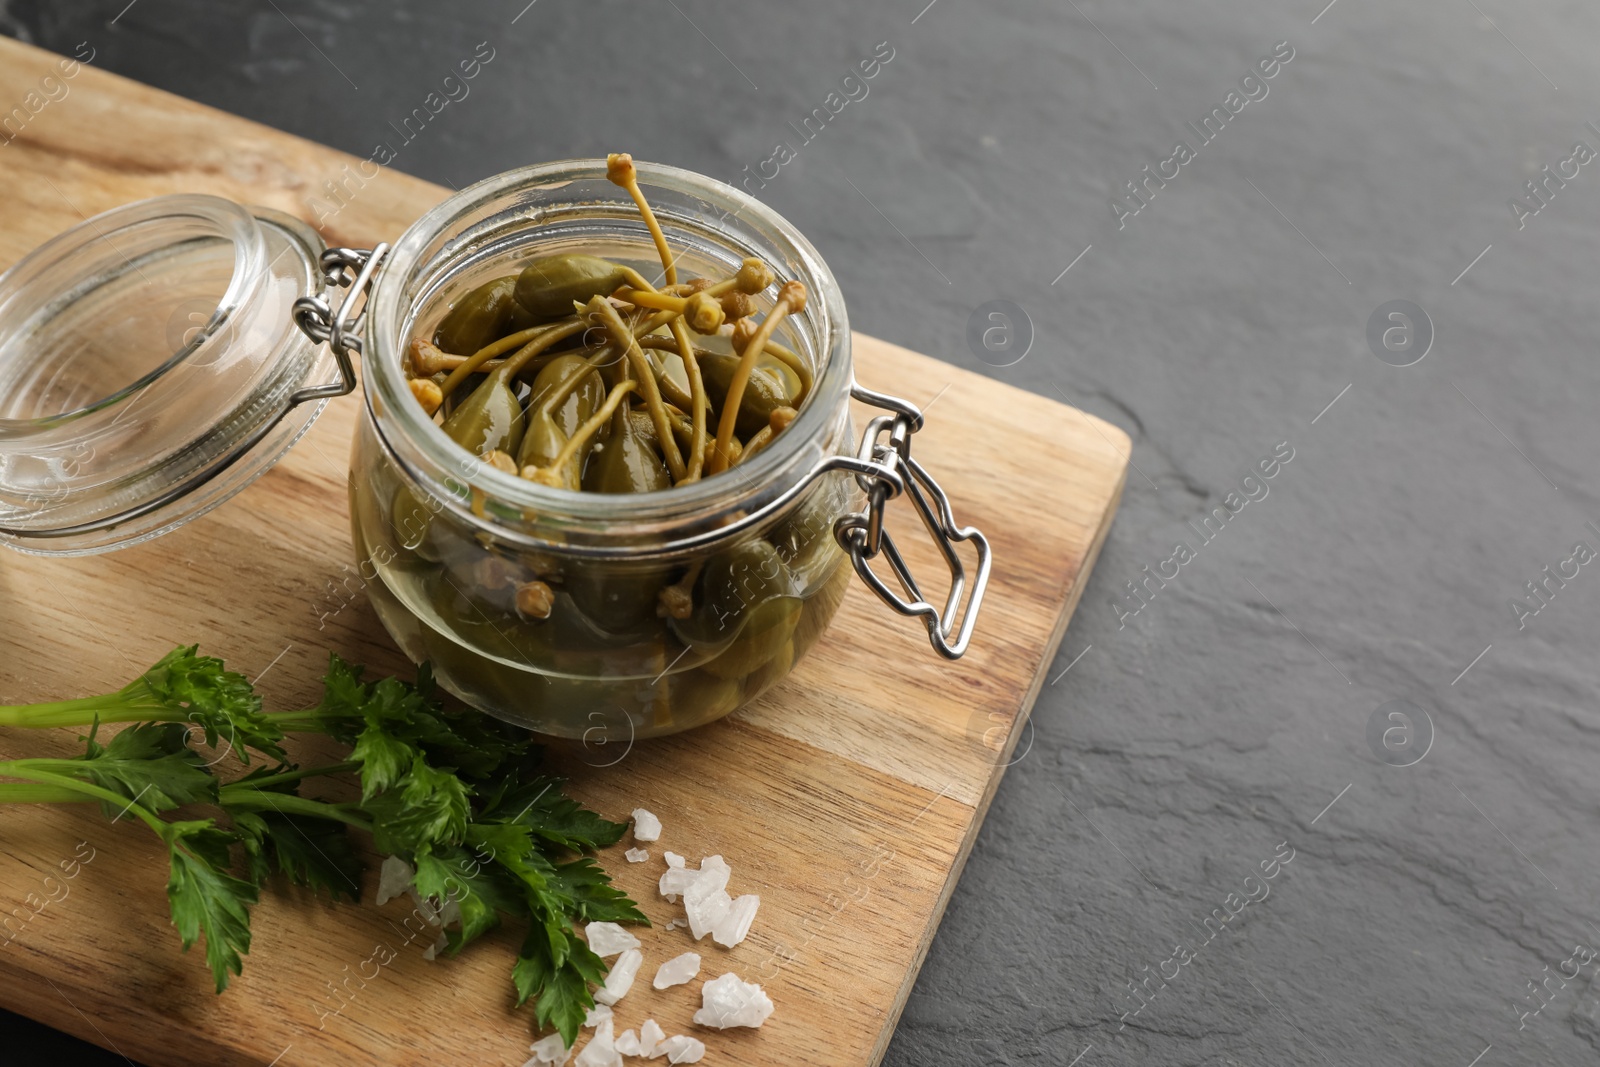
(655, 612)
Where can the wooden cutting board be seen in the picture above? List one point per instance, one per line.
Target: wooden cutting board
(848, 798)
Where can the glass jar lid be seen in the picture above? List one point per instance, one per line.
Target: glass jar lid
(150, 368)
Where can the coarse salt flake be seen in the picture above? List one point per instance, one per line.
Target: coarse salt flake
(637, 855)
(597, 1015)
(628, 1043)
(706, 900)
(549, 1051)
(394, 878)
(678, 970)
(620, 978)
(729, 1001)
(650, 1037)
(735, 925)
(673, 859)
(646, 827)
(608, 939)
(681, 1049)
(601, 1051)
(676, 880)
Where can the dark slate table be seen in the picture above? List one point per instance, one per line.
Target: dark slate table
(1313, 781)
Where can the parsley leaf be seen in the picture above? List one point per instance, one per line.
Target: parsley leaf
(586, 889)
(198, 689)
(205, 899)
(562, 988)
(427, 806)
(150, 763)
(540, 805)
(315, 853)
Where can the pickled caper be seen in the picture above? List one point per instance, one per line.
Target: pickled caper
(772, 385)
(551, 425)
(574, 409)
(489, 419)
(627, 461)
(483, 316)
(766, 631)
(548, 286)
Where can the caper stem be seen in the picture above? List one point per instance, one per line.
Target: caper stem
(791, 296)
(758, 440)
(620, 334)
(697, 400)
(697, 387)
(540, 341)
(621, 171)
(586, 432)
(801, 368)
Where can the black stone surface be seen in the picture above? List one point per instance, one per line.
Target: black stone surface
(1423, 904)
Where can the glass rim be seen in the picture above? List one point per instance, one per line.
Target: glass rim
(233, 222)
(387, 310)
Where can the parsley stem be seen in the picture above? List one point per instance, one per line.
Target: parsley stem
(33, 793)
(297, 775)
(29, 769)
(240, 796)
(108, 708)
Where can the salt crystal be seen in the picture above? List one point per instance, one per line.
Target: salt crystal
(676, 881)
(734, 926)
(678, 970)
(549, 1051)
(433, 950)
(620, 979)
(650, 1037)
(597, 1015)
(681, 1049)
(728, 1001)
(394, 878)
(601, 1051)
(675, 923)
(716, 871)
(628, 1043)
(706, 900)
(608, 939)
(646, 827)
(673, 859)
(637, 855)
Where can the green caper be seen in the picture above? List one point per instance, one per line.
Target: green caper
(627, 461)
(772, 385)
(489, 419)
(551, 426)
(482, 317)
(767, 629)
(617, 601)
(582, 402)
(737, 579)
(770, 673)
(695, 697)
(547, 287)
(411, 522)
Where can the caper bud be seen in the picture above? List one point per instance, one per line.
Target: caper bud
(481, 317)
(547, 287)
(489, 419)
(772, 385)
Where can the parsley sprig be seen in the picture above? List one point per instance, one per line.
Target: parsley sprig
(455, 794)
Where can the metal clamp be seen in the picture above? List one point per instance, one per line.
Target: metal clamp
(350, 269)
(887, 470)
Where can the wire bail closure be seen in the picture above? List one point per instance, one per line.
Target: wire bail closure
(887, 471)
(350, 269)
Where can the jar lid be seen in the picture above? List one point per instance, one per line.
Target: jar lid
(150, 368)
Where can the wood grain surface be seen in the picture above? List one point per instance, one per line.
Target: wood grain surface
(848, 798)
